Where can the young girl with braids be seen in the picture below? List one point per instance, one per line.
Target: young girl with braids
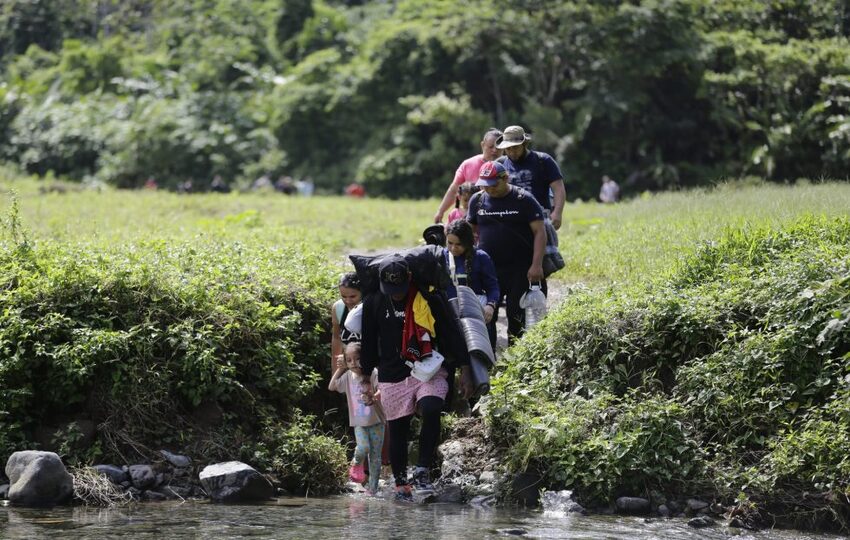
(473, 268)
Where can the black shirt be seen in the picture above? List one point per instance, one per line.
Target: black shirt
(382, 338)
(504, 229)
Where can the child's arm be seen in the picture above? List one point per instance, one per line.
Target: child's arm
(340, 370)
(374, 392)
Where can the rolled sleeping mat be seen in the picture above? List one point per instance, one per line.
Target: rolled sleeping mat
(455, 306)
(480, 374)
(477, 339)
(468, 303)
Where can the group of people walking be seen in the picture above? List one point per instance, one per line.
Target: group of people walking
(514, 195)
(401, 356)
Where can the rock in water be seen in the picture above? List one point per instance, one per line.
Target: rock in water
(115, 474)
(235, 481)
(700, 522)
(632, 505)
(176, 460)
(38, 479)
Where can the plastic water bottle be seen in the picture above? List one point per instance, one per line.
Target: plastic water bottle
(534, 303)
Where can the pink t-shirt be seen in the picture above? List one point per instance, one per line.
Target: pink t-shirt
(456, 214)
(468, 170)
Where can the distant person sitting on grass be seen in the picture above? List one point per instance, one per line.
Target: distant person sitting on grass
(365, 414)
(355, 190)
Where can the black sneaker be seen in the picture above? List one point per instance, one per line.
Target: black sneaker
(422, 480)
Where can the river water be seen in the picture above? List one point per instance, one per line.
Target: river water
(343, 517)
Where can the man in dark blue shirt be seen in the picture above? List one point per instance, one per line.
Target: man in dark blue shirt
(509, 223)
(535, 172)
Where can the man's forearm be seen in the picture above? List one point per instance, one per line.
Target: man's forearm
(559, 199)
(539, 243)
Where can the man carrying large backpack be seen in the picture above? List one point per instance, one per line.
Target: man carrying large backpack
(412, 335)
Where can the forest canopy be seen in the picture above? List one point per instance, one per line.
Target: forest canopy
(660, 94)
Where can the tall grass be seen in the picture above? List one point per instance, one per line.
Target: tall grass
(240, 284)
(642, 238)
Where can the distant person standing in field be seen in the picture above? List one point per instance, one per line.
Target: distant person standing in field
(610, 191)
(535, 172)
(509, 224)
(467, 171)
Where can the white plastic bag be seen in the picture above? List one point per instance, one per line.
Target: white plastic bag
(426, 368)
(354, 319)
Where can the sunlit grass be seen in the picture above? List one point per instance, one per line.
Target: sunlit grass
(634, 240)
(641, 238)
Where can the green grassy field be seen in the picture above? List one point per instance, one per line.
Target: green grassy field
(635, 240)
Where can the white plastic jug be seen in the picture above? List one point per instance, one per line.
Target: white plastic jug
(533, 301)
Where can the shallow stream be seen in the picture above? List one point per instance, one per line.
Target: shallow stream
(347, 517)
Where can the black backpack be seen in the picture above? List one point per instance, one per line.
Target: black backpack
(426, 264)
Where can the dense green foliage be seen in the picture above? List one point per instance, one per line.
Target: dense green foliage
(142, 338)
(658, 93)
(728, 377)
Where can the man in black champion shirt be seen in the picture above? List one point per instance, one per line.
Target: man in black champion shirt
(509, 224)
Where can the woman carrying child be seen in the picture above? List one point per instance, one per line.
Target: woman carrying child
(473, 268)
(365, 414)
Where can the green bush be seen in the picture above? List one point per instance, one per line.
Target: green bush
(137, 336)
(727, 376)
(304, 462)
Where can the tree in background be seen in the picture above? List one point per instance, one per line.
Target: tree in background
(661, 93)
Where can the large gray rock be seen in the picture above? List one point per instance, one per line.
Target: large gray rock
(235, 481)
(142, 476)
(633, 505)
(176, 460)
(116, 475)
(38, 479)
